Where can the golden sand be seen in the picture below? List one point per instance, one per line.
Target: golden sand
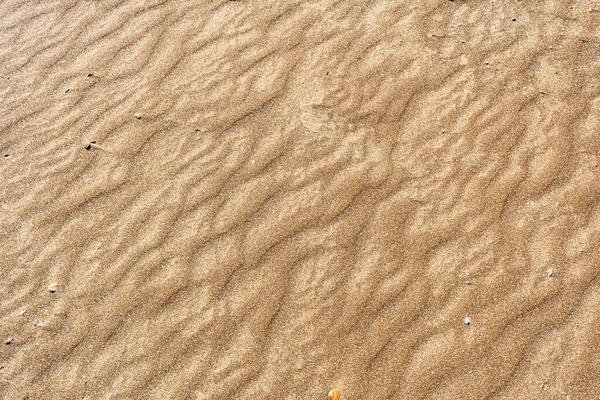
(265, 200)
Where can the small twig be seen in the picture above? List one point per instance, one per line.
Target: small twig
(93, 145)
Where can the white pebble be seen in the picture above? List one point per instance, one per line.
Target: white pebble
(467, 321)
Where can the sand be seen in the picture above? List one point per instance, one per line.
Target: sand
(265, 200)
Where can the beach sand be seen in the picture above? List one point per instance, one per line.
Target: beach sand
(265, 200)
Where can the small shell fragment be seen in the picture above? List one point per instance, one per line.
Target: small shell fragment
(334, 394)
(550, 273)
(8, 341)
(22, 313)
(467, 321)
(53, 287)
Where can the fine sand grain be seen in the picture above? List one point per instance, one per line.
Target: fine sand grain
(261, 199)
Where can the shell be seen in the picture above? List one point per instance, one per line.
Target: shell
(334, 394)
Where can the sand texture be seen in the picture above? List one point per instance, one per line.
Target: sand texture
(262, 199)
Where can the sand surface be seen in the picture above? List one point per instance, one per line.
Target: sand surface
(267, 199)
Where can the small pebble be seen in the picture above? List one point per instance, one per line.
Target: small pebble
(468, 282)
(67, 91)
(467, 321)
(550, 273)
(514, 19)
(22, 313)
(8, 341)
(36, 322)
(486, 62)
(138, 115)
(334, 394)
(542, 92)
(53, 287)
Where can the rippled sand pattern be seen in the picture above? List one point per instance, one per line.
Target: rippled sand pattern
(283, 197)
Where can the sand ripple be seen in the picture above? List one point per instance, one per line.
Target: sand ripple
(283, 197)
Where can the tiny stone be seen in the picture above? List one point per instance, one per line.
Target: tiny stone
(67, 91)
(36, 322)
(53, 287)
(468, 282)
(22, 312)
(138, 115)
(486, 62)
(514, 19)
(550, 273)
(8, 341)
(467, 321)
(542, 92)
